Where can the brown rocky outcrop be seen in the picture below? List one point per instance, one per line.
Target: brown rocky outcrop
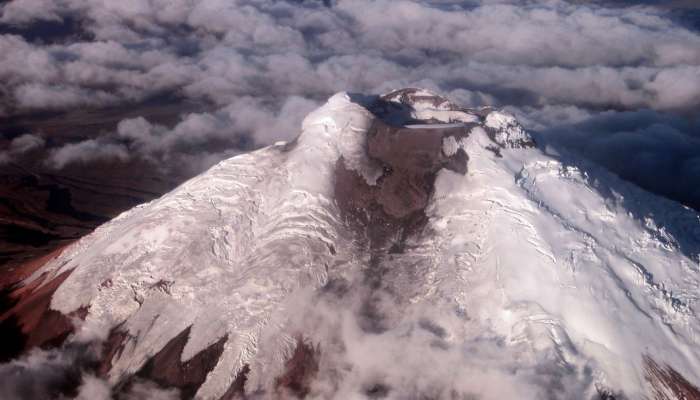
(411, 158)
(167, 369)
(666, 383)
(27, 321)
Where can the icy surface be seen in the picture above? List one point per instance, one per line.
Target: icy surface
(507, 131)
(528, 270)
(543, 259)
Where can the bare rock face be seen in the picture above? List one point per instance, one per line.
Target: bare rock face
(27, 321)
(667, 384)
(408, 106)
(299, 371)
(236, 390)
(411, 157)
(410, 151)
(168, 370)
(413, 136)
(112, 349)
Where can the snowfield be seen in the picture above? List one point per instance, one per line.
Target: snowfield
(535, 276)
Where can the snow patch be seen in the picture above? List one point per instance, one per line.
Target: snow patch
(450, 146)
(507, 130)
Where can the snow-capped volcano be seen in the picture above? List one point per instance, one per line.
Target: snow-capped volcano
(401, 247)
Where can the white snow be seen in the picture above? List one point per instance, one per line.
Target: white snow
(508, 132)
(450, 146)
(424, 108)
(530, 271)
(553, 255)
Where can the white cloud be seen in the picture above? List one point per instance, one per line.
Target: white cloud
(24, 143)
(259, 65)
(558, 51)
(85, 152)
(93, 388)
(24, 11)
(20, 145)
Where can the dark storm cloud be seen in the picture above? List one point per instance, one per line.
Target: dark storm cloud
(260, 65)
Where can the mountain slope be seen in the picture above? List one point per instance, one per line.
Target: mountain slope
(400, 247)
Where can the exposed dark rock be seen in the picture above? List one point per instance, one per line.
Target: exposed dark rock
(17, 234)
(11, 278)
(377, 391)
(607, 394)
(166, 368)
(163, 286)
(300, 369)
(410, 96)
(394, 207)
(386, 214)
(667, 384)
(371, 317)
(396, 108)
(30, 323)
(433, 328)
(413, 157)
(514, 144)
(294, 382)
(495, 150)
(237, 389)
(112, 349)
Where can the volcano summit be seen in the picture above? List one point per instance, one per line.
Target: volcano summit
(401, 247)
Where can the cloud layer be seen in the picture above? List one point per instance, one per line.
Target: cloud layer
(258, 66)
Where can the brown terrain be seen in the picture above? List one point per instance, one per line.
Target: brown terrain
(666, 383)
(42, 212)
(42, 208)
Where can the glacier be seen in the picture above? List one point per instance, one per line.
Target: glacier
(530, 274)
